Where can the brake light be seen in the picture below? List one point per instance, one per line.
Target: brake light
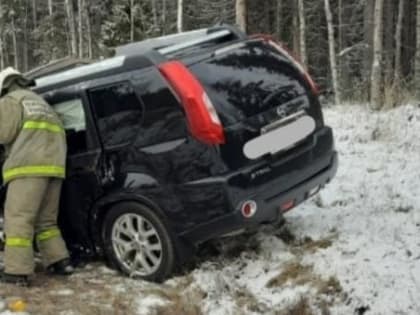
(291, 56)
(203, 121)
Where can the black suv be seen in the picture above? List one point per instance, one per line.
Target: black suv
(184, 138)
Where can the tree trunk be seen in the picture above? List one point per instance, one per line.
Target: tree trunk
(155, 15)
(163, 16)
(302, 31)
(80, 5)
(25, 41)
(398, 42)
(279, 19)
(389, 49)
(131, 20)
(368, 32)
(2, 63)
(295, 28)
(376, 77)
(34, 13)
(417, 59)
(180, 16)
(333, 61)
(15, 46)
(241, 14)
(50, 7)
(86, 10)
(72, 27)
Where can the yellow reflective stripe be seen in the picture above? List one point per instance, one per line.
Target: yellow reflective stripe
(18, 242)
(44, 125)
(48, 234)
(34, 170)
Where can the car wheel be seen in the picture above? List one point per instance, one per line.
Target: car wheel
(137, 241)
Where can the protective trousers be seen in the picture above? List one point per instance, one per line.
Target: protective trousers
(31, 209)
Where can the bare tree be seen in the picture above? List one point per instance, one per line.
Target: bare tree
(376, 77)
(398, 42)
(34, 13)
(132, 20)
(50, 7)
(14, 41)
(72, 26)
(279, 18)
(80, 5)
(86, 9)
(180, 16)
(241, 14)
(417, 58)
(333, 60)
(2, 63)
(302, 31)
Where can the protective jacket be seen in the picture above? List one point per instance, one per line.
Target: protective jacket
(33, 137)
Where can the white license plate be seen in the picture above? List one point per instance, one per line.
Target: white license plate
(280, 139)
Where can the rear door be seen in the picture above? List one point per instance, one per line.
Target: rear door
(253, 86)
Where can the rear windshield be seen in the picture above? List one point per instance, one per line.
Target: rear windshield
(248, 80)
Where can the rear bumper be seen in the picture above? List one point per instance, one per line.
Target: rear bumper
(296, 185)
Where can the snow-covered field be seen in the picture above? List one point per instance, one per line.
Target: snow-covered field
(353, 249)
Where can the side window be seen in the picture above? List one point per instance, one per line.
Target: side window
(119, 113)
(73, 117)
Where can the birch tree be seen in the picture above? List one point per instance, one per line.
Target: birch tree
(302, 31)
(2, 63)
(50, 7)
(398, 42)
(332, 53)
(86, 10)
(80, 5)
(180, 16)
(376, 76)
(72, 27)
(132, 21)
(14, 40)
(241, 14)
(417, 58)
(279, 18)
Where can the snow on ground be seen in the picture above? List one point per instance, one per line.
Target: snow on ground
(353, 249)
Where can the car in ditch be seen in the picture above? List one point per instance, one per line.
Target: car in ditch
(181, 139)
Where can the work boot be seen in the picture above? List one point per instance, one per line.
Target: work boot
(19, 280)
(62, 268)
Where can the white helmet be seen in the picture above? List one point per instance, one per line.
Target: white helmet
(10, 72)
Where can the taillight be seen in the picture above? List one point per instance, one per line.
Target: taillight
(282, 49)
(203, 121)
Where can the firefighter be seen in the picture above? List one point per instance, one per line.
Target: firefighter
(34, 169)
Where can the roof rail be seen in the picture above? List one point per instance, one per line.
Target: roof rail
(191, 43)
(56, 66)
(76, 72)
(176, 42)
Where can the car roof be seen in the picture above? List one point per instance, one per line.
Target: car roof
(129, 57)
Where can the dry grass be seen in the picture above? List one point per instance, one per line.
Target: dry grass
(293, 272)
(180, 302)
(246, 300)
(48, 298)
(331, 286)
(302, 307)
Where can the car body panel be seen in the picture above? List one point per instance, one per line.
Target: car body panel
(147, 154)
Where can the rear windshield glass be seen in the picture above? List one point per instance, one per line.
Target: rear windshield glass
(248, 80)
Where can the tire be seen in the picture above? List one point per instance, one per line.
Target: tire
(137, 242)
